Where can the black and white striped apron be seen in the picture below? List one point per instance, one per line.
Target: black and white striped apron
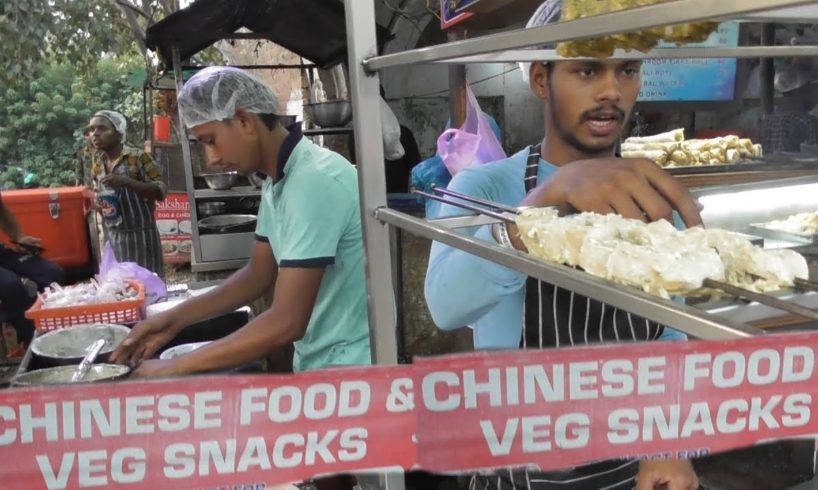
(555, 317)
(136, 239)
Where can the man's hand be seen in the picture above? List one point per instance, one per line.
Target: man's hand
(116, 181)
(633, 188)
(667, 475)
(28, 244)
(157, 368)
(146, 338)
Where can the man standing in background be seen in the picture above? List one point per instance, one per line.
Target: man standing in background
(128, 183)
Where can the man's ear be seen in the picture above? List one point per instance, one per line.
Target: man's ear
(538, 80)
(247, 121)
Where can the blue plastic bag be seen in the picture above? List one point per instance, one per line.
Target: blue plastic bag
(432, 172)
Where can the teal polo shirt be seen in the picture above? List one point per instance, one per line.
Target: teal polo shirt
(309, 215)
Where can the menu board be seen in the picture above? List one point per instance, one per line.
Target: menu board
(173, 220)
(693, 79)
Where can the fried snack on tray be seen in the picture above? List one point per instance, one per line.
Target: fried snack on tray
(671, 149)
(644, 41)
(656, 257)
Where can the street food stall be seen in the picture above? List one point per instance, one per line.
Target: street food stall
(701, 321)
(428, 431)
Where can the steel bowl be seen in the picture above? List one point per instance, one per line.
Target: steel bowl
(221, 181)
(69, 345)
(226, 222)
(181, 350)
(61, 375)
(207, 209)
(329, 114)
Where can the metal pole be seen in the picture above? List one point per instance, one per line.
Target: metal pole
(457, 86)
(767, 71)
(188, 161)
(365, 96)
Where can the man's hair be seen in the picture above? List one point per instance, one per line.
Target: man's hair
(269, 120)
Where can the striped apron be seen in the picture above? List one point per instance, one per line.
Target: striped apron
(136, 239)
(555, 317)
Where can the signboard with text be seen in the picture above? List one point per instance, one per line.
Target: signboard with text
(550, 409)
(684, 79)
(173, 220)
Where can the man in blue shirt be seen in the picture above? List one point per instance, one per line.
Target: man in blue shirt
(308, 241)
(586, 105)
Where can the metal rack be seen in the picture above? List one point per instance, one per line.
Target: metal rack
(377, 218)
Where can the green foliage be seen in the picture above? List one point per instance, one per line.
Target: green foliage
(76, 31)
(42, 118)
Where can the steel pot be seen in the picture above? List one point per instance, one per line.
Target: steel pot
(226, 222)
(221, 181)
(207, 209)
(329, 114)
(69, 345)
(61, 375)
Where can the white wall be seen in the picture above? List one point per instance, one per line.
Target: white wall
(523, 113)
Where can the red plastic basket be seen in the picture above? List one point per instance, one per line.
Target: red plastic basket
(120, 312)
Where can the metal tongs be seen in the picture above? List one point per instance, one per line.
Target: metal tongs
(480, 206)
(509, 213)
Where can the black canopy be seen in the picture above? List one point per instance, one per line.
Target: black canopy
(312, 29)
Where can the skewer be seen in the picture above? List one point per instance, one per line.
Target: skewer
(806, 284)
(476, 209)
(488, 204)
(764, 299)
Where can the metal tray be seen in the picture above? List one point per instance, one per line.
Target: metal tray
(786, 236)
(773, 163)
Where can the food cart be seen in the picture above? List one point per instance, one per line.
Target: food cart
(378, 218)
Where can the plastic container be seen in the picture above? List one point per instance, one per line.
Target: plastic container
(120, 313)
(57, 216)
(161, 128)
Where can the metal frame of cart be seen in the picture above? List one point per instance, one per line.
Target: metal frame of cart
(378, 219)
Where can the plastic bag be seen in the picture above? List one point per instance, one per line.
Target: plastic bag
(392, 149)
(112, 270)
(474, 143)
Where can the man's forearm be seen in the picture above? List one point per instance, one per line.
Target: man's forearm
(9, 224)
(241, 288)
(249, 343)
(148, 190)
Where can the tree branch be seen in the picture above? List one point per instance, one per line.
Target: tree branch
(127, 6)
(136, 29)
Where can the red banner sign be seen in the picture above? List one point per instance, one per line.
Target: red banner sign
(551, 408)
(206, 432)
(173, 220)
(561, 408)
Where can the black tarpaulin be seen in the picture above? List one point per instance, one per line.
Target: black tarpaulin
(312, 29)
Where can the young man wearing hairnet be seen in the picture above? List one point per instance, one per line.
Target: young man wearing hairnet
(308, 241)
(128, 183)
(586, 104)
(792, 124)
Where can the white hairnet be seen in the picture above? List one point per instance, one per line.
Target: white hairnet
(116, 119)
(216, 92)
(796, 75)
(547, 13)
